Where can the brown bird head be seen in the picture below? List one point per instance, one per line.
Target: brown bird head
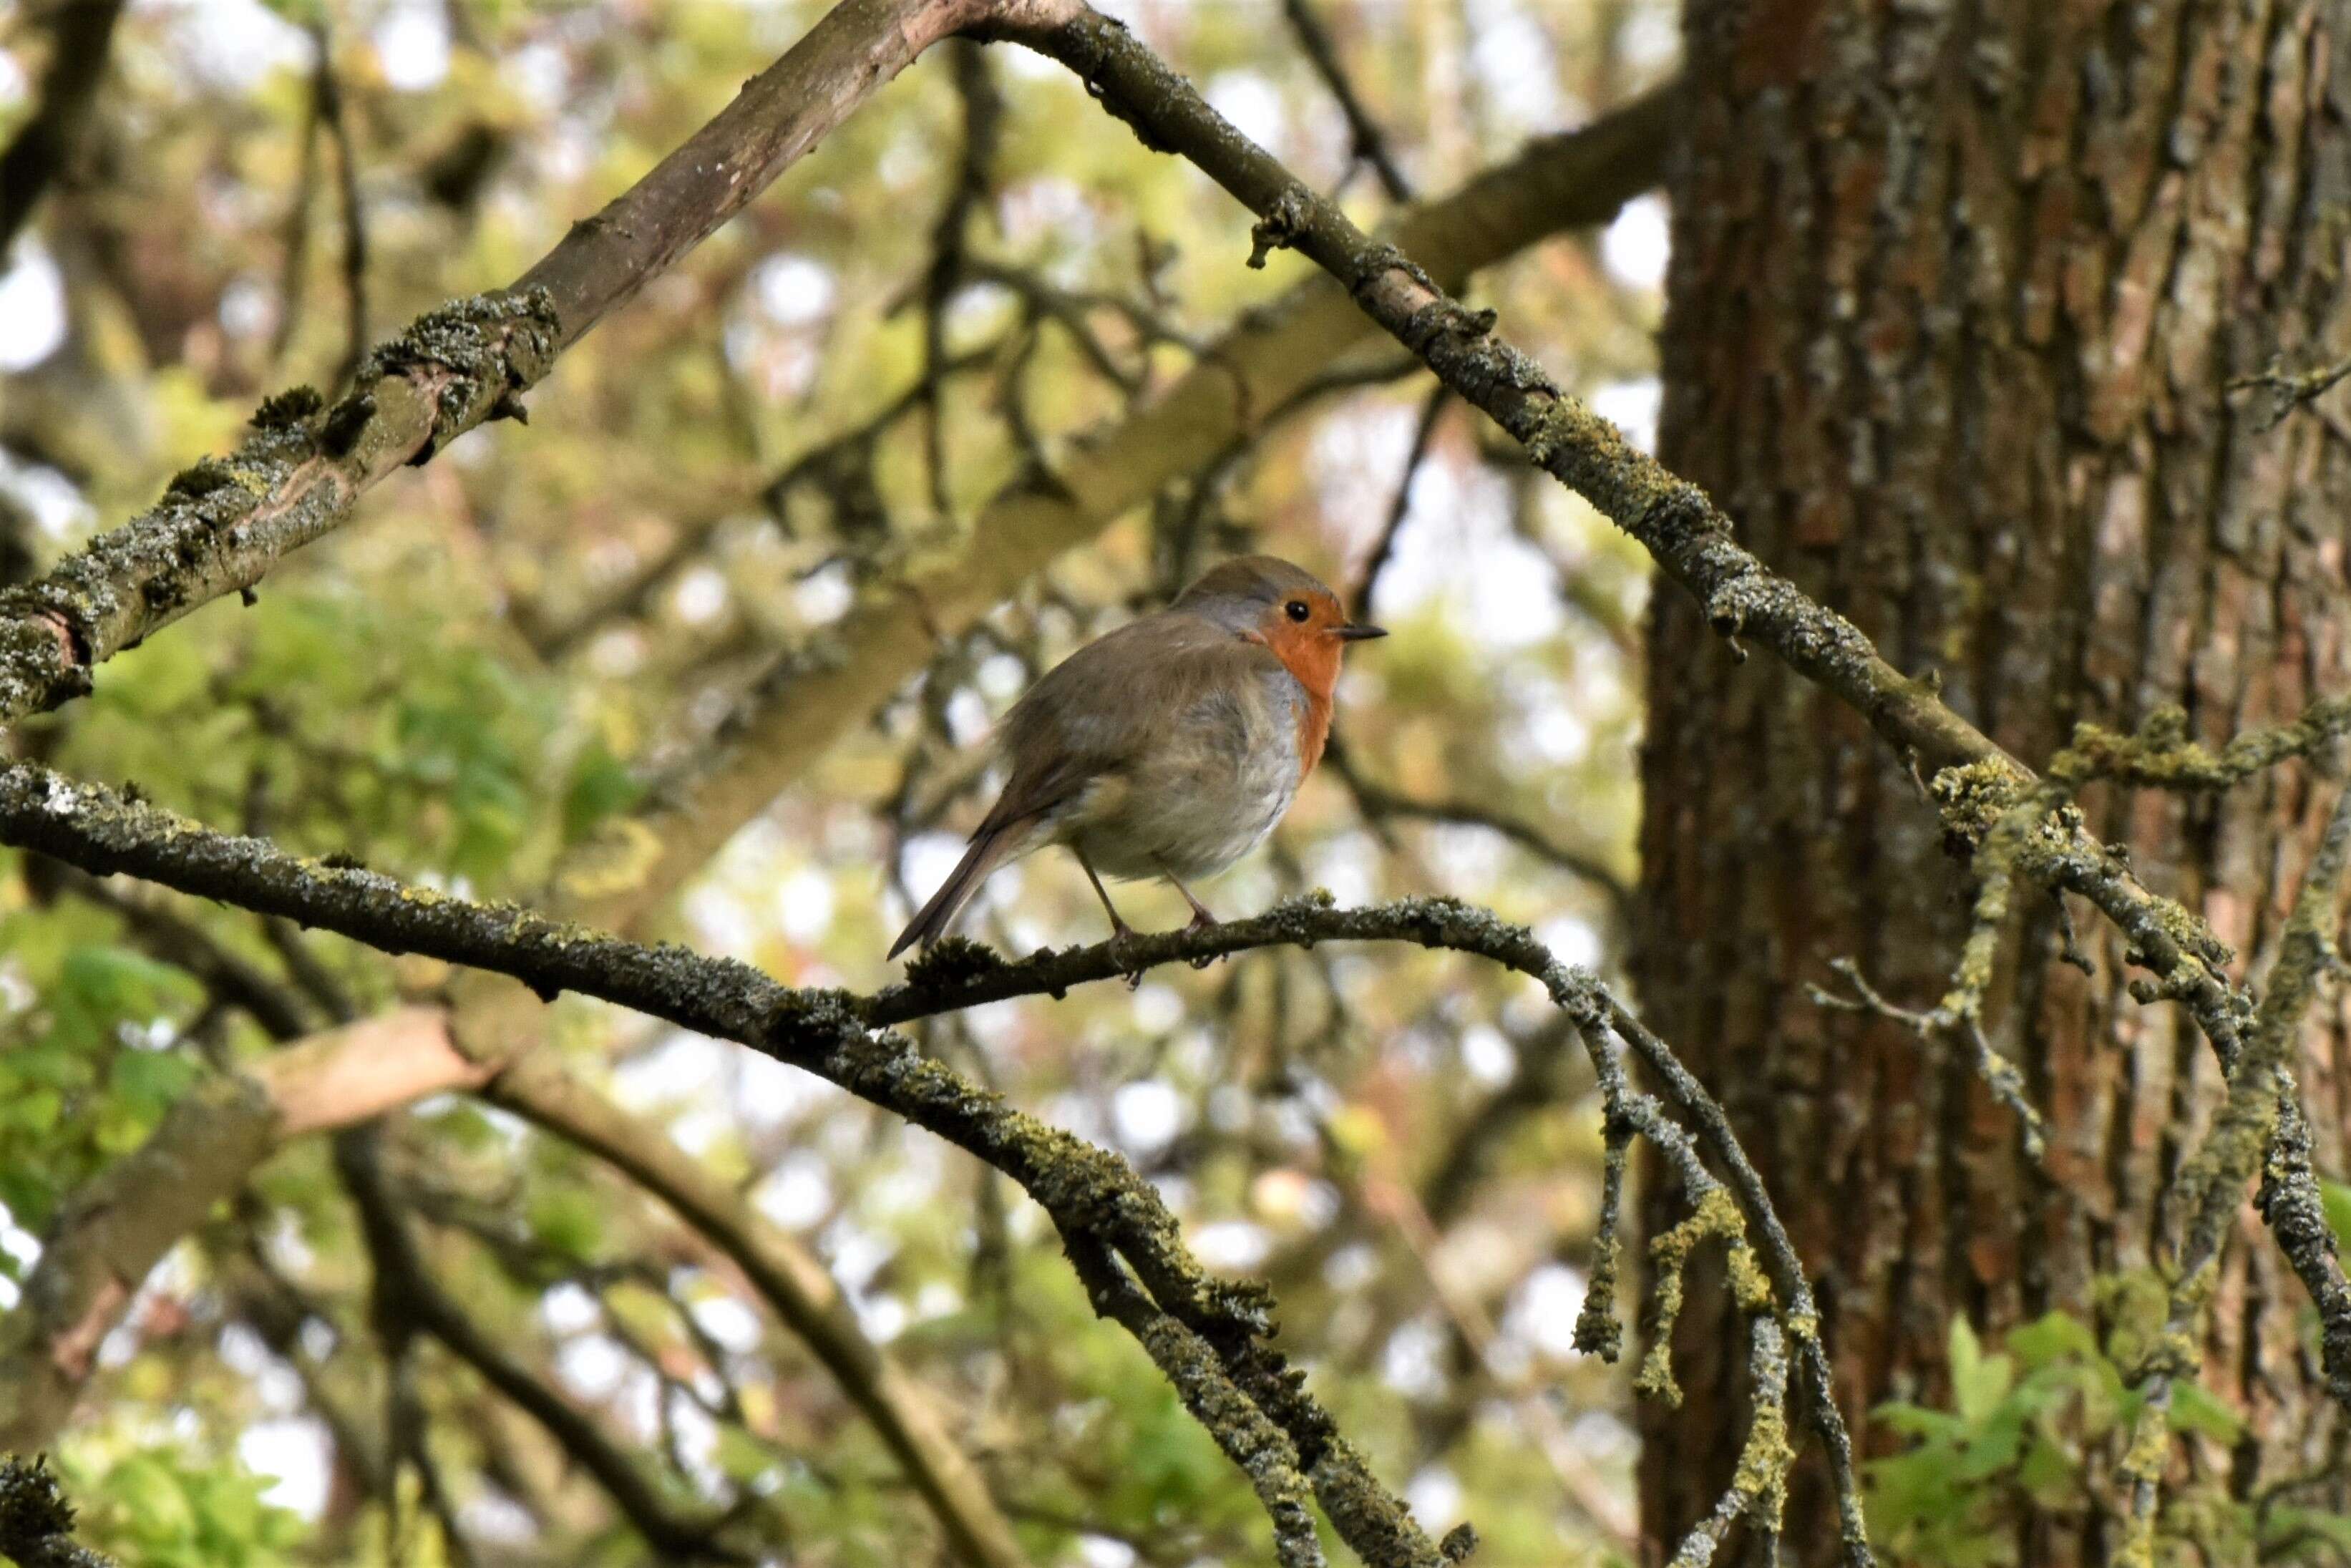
(1267, 599)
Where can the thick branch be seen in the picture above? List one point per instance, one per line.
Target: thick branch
(225, 523)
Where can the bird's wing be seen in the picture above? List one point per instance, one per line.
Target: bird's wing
(1097, 710)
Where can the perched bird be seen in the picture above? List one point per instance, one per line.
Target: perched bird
(1169, 747)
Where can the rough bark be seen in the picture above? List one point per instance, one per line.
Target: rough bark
(1955, 299)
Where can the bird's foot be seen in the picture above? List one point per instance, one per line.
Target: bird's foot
(1203, 921)
(1122, 939)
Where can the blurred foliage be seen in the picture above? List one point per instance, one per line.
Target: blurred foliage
(2042, 1422)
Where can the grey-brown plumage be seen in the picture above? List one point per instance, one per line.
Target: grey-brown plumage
(1169, 747)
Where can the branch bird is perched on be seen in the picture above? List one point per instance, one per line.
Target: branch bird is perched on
(1171, 747)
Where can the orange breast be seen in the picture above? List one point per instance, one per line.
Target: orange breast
(1314, 660)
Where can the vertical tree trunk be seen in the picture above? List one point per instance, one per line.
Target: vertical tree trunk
(1955, 295)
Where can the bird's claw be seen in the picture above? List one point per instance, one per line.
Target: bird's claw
(1203, 921)
(1122, 944)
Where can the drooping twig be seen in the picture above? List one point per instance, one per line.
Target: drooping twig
(1999, 1074)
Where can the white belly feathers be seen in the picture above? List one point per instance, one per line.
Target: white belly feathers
(1207, 796)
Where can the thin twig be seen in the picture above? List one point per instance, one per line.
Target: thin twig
(1370, 144)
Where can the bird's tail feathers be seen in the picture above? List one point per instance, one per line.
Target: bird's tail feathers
(989, 849)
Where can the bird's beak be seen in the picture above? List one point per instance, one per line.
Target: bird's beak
(1357, 631)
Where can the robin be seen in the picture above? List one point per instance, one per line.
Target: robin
(1171, 747)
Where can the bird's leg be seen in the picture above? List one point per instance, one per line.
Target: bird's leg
(1201, 919)
(1120, 933)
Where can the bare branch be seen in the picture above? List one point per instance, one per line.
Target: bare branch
(791, 1280)
(1370, 145)
(406, 1291)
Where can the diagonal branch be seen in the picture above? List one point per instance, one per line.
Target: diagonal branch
(1370, 145)
(791, 1280)
(225, 522)
(407, 1293)
(1680, 526)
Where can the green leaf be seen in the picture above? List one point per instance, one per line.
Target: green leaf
(1978, 1382)
(2050, 1338)
(2196, 1408)
(602, 786)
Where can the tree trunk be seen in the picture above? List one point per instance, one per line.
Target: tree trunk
(1954, 298)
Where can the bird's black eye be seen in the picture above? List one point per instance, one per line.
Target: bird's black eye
(1296, 610)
